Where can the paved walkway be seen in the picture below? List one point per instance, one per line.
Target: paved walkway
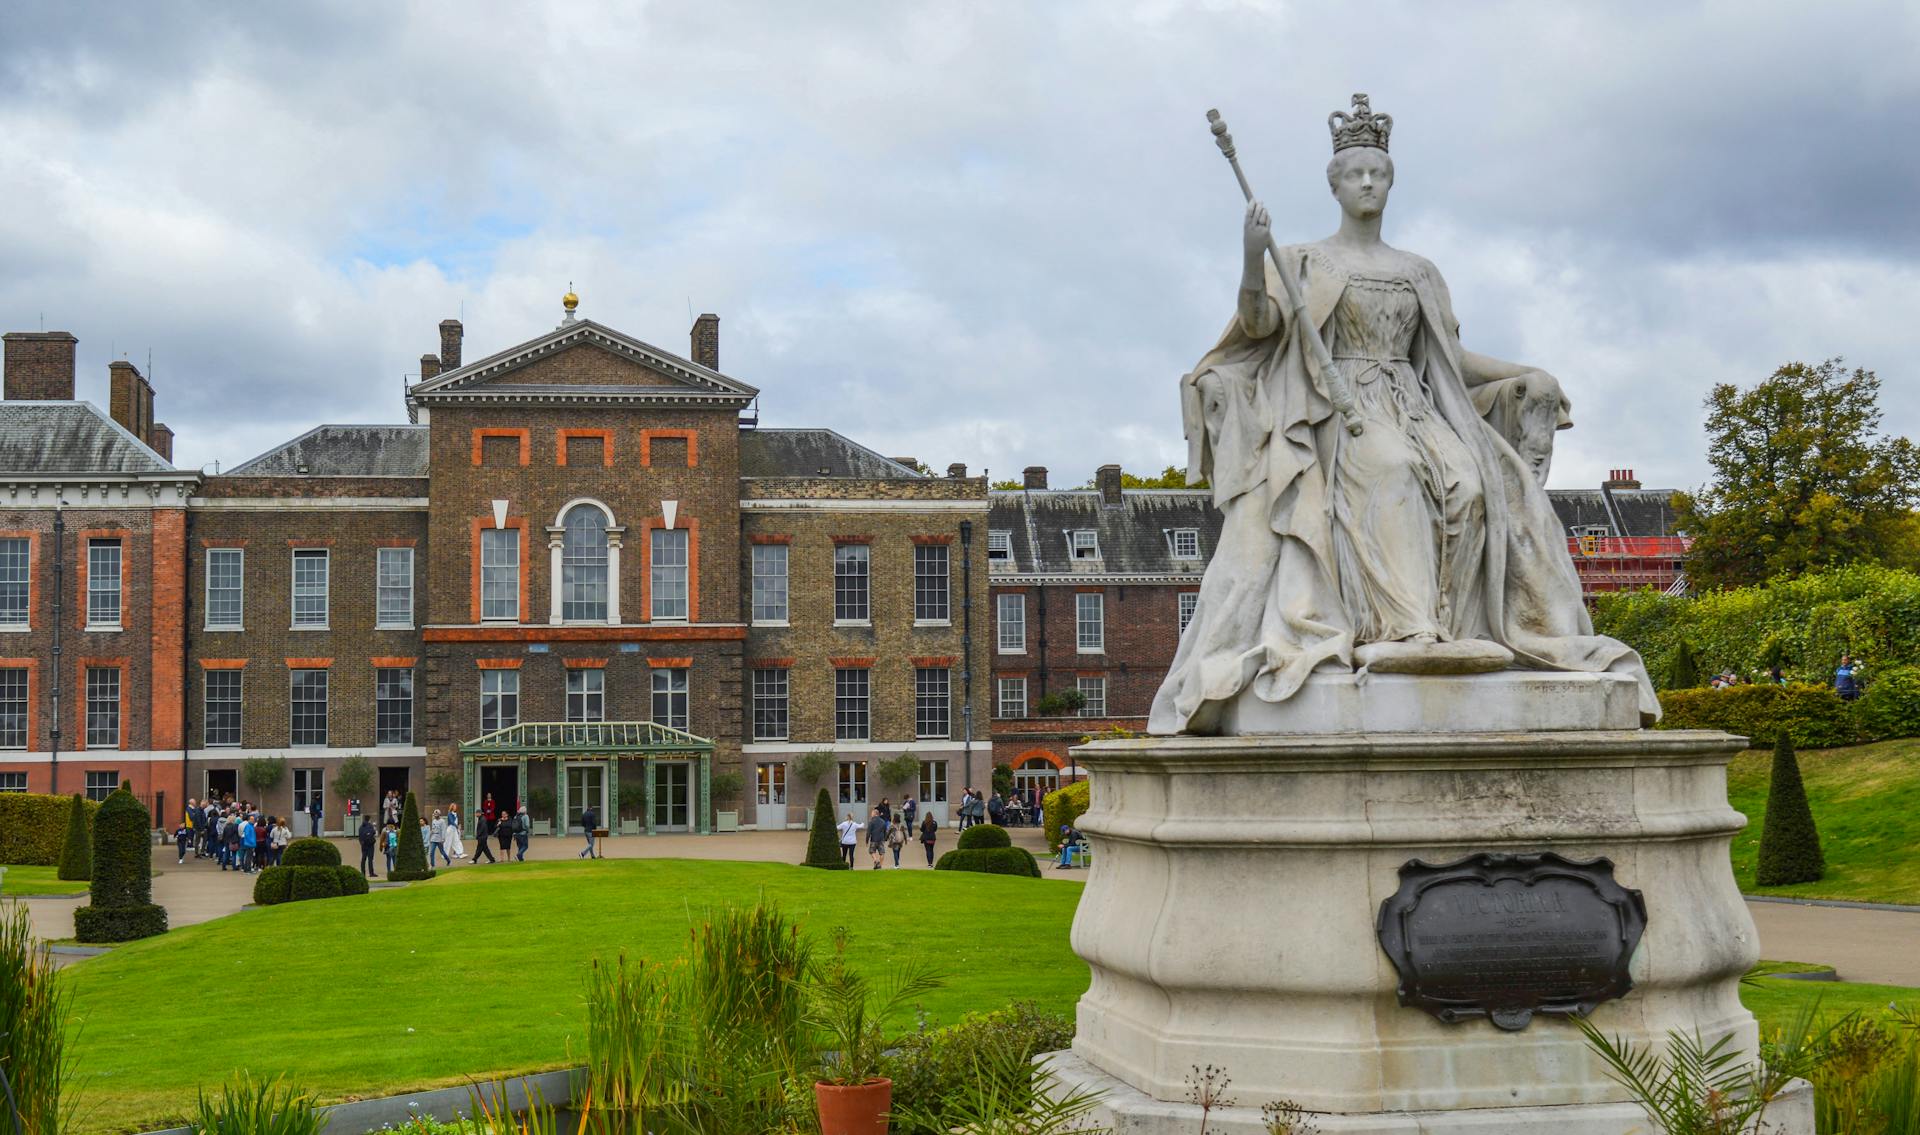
(1878, 946)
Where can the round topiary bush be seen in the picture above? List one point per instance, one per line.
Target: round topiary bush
(273, 887)
(823, 839)
(310, 852)
(991, 861)
(122, 906)
(314, 883)
(352, 882)
(411, 864)
(984, 836)
(76, 855)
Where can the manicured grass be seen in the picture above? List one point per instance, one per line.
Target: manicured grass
(38, 881)
(1776, 1000)
(1866, 803)
(483, 972)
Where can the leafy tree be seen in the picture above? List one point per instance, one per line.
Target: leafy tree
(262, 773)
(1801, 478)
(411, 862)
(1009, 483)
(76, 857)
(354, 777)
(823, 839)
(1172, 477)
(1789, 843)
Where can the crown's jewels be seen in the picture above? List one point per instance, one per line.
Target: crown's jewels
(1360, 128)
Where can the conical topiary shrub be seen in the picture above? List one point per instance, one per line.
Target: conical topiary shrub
(823, 839)
(411, 863)
(76, 855)
(122, 906)
(1789, 843)
(1683, 673)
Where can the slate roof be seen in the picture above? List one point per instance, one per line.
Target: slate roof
(1133, 535)
(344, 451)
(813, 453)
(70, 437)
(1623, 512)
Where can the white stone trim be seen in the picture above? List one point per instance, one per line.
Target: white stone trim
(865, 748)
(294, 754)
(1050, 579)
(760, 505)
(309, 504)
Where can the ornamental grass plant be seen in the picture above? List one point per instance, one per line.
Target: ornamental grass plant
(34, 1062)
(246, 1106)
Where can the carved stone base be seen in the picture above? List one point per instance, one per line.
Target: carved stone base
(1469, 656)
(1510, 701)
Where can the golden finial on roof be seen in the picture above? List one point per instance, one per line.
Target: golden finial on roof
(569, 301)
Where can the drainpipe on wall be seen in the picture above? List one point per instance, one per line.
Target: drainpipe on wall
(966, 646)
(59, 615)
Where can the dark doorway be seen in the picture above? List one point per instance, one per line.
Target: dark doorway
(503, 781)
(222, 783)
(393, 780)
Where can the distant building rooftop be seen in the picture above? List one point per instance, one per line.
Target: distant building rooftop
(344, 451)
(70, 437)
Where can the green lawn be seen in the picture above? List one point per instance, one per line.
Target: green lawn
(38, 881)
(1776, 1000)
(1866, 803)
(483, 972)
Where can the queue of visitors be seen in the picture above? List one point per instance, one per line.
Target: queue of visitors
(233, 834)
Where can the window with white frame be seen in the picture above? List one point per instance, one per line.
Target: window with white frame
(669, 559)
(1012, 629)
(16, 581)
(499, 699)
(1189, 602)
(586, 695)
(13, 782)
(852, 695)
(393, 572)
(309, 707)
(500, 573)
(933, 782)
(310, 587)
(771, 784)
(103, 707)
(392, 706)
(1184, 543)
(770, 703)
(222, 708)
(583, 565)
(13, 708)
(932, 702)
(770, 583)
(999, 545)
(102, 783)
(1094, 690)
(670, 697)
(1090, 622)
(103, 583)
(1086, 544)
(853, 782)
(931, 589)
(1012, 700)
(850, 563)
(226, 588)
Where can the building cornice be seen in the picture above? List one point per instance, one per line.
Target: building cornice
(862, 505)
(1029, 579)
(309, 504)
(100, 490)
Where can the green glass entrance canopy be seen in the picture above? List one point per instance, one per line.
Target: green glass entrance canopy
(555, 738)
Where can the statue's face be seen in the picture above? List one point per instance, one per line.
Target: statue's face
(1361, 179)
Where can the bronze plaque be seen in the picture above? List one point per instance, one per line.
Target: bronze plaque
(1507, 936)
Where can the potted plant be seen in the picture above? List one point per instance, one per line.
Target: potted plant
(540, 809)
(725, 788)
(633, 803)
(850, 1011)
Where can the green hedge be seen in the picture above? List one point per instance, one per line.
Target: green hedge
(1065, 806)
(118, 923)
(984, 836)
(33, 827)
(309, 851)
(273, 886)
(310, 881)
(314, 883)
(991, 861)
(352, 882)
(1813, 716)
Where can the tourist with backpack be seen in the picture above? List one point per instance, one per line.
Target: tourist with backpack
(367, 838)
(896, 839)
(929, 831)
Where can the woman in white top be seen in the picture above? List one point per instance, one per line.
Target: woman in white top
(849, 837)
(455, 848)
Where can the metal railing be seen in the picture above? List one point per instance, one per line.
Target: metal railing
(1672, 547)
(586, 736)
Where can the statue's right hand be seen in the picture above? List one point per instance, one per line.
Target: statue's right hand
(1258, 231)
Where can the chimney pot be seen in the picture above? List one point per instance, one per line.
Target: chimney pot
(450, 335)
(1034, 477)
(162, 442)
(39, 366)
(429, 367)
(909, 462)
(130, 399)
(957, 470)
(1107, 479)
(706, 341)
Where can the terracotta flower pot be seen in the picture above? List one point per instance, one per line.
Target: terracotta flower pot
(858, 1109)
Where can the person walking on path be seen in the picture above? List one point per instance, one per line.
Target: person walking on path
(282, 836)
(231, 836)
(455, 848)
(910, 813)
(997, 810)
(182, 836)
(315, 814)
(588, 819)
(481, 832)
(503, 831)
(877, 837)
(390, 807)
(392, 839)
(367, 837)
(437, 843)
(849, 836)
(896, 839)
(929, 831)
(522, 828)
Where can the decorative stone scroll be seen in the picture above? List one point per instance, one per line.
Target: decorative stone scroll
(1506, 936)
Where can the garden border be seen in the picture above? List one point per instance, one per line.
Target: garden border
(360, 1117)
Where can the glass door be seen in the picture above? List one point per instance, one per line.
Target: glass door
(306, 790)
(672, 796)
(586, 787)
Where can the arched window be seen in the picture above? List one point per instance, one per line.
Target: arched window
(583, 565)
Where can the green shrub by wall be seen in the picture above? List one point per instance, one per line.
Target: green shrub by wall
(1065, 807)
(985, 835)
(309, 851)
(1814, 716)
(991, 861)
(33, 827)
(76, 855)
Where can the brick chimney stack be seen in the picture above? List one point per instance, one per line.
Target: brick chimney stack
(706, 341)
(429, 367)
(957, 470)
(162, 442)
(130, 399)
(1621, 479)
(450, 334)
(1034, 477)
(1107, 479)
(39, 366)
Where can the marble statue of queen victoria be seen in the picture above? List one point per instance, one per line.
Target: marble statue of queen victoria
(1373, 516)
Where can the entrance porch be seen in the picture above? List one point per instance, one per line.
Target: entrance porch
(582, 764)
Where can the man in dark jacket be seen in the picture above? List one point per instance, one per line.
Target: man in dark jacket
(483, 828)
(589, 820)
(367, 837)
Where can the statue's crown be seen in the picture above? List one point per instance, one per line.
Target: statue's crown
(1360, 128)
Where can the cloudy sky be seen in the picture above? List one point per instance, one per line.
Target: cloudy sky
(980, 232)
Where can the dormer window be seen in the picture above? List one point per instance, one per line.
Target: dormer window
(1184, 543)
(1086, 544)
(999, 545)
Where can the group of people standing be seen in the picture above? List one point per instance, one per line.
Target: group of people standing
(232, 833)
(1020, 808)
(887, 830)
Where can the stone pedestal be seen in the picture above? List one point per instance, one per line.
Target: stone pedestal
(1229, 917)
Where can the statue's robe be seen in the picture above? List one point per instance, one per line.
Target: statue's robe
(1262, 431)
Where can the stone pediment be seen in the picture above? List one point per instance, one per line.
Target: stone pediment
(584, 361)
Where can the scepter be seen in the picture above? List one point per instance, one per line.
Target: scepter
(1339, 391)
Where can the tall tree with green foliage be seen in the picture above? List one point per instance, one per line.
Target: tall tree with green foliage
(1802, 478)
(76, 856)
(1789, 843)
(823, 839)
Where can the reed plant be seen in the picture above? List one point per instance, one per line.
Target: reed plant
(34, 1064)
(246, 1106)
